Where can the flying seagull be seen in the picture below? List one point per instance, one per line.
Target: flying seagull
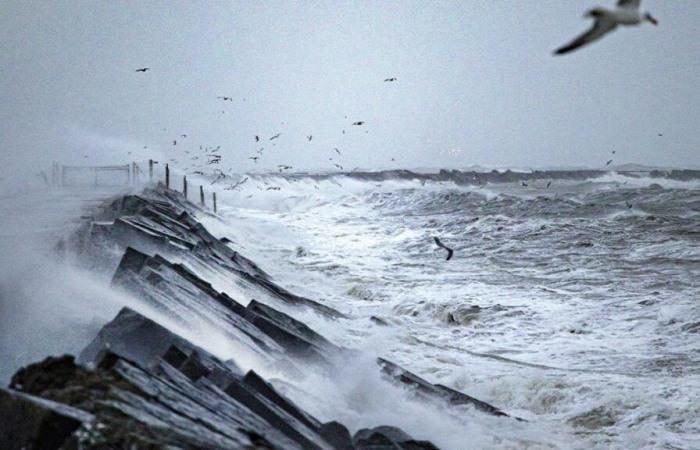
(336, 150)
(257, 138)
(358, 123)
(276, 136)
(608, 163)
(144, 69)
(309, 137)
(254, 158)
(225, 98)
(389, 80)
(450, 252)
(627, 13)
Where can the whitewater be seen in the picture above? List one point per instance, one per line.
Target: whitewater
(573, 306)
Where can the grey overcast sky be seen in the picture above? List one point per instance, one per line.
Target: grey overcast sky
(476, 83)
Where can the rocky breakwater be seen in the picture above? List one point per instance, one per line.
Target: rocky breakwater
(139, 384)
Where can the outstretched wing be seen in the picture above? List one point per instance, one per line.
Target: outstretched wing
(450, 252)
(629, 4)
(601, 27)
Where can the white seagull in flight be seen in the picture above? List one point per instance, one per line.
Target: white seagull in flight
(627, 13)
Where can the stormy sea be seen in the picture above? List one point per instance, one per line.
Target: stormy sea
(569, 305)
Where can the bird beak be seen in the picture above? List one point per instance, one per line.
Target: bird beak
(652, 20)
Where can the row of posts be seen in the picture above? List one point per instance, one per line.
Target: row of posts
(202, 202)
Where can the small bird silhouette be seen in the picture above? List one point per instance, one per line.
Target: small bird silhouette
(309, 137)
(450, 252)
(337, 151)
(174, 142)
(358, 123)
(225, 98)
(144, 69)
(338, 166)
(549, 184)
(257, 138)
(276, 136)
(254, 158)
(389, 80)
(608, 163)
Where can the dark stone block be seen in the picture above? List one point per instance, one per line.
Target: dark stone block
(380, 438)
(193, 368)
(293, 335)
(175, 357)
(32, 423)
(337, 435)
(265, 389)
(137, 338)
(247, 397)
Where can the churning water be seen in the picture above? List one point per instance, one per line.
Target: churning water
(573, 306)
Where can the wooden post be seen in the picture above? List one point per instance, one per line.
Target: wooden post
(213, 198)
(150, 170)
(167, 177)
(201, 194)
(184, 186)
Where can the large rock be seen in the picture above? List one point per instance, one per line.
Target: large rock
(31, 423)
(424, 388)
(388, 438)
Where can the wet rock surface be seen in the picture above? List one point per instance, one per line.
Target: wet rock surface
(141, 385)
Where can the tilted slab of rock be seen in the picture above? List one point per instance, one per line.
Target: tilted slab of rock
(162, 221)
(29, 422)
(183, 295)
(435, 391)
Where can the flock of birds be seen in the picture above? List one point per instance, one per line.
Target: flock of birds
(212, 155)
(626, 13)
